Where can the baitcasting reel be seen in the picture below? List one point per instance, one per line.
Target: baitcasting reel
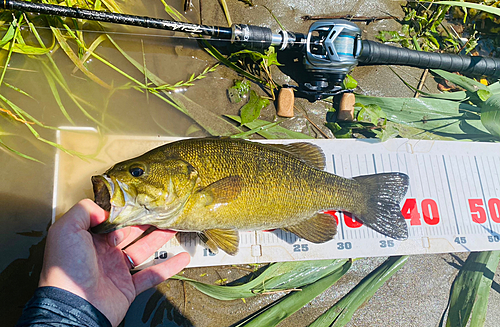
(318, 61)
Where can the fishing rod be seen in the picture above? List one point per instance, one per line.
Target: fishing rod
(318, 61)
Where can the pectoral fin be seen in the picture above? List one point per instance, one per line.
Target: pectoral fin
(221, 191)
(225, 239)
(320, 228)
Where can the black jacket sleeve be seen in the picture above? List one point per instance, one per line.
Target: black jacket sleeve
(52, 306)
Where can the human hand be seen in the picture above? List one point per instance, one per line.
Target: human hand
(94, 266)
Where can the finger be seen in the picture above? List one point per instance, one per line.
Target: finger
(124, 236)
(84, 214)
(146, 246)
(156, 274)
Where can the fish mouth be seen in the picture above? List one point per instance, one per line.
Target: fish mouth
(109, 197)
(102, 192)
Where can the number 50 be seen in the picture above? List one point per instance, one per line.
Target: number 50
(478, 212)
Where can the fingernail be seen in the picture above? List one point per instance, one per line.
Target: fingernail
(115, 241)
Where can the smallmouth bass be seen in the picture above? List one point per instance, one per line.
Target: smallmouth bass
(217, 186)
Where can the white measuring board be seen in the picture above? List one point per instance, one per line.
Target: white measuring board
(452, 204)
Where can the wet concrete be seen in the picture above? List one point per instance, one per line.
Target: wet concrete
(415, 296)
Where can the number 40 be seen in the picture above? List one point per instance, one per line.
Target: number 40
(430, 212)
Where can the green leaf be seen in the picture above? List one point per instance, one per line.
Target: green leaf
(341, 312)
(483, 94)
(251, 110)
(9, 35)
(371, 113)
(274, 132)
(481, 305)
(25, 156)
(238, 91)
(278, 276)
(338, 131)
(294, 301)
(272, 57)
(485, 8)
(469, 84)
(443, 117)
(476, 275)
(212, 123)
(349, 83)
(490, 114)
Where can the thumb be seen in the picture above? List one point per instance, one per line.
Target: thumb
(83, 215)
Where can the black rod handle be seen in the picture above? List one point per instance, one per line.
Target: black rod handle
(375, 53)
(102, 16)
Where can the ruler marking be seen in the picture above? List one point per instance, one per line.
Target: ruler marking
(454, 170)
(467, 175)
(496, 171)
(435, 163)
(447, 202)
(359, 166)
(352, 233)
(334, 167)
(410, 189)
(418, 158)
(474, 182)
(451, 195)
(461, 170)
(478, 226)
(482, 190)
(341, 215)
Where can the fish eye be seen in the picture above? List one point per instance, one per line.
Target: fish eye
(136, 171)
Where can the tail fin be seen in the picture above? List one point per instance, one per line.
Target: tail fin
(381, 210)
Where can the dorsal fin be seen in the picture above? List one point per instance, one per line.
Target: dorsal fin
(320, 228)
(309, 153)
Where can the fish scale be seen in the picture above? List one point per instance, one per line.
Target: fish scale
(220, 185)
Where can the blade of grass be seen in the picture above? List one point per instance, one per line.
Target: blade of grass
(11, 48)
(480, 307)
(467, 83)
(485, 8)
(253, 131)
(342, 311)
(172, 12)
(226, 12)
(476, 275)
(17, 90)
(454, 96)
(55, 93)
(277, 276)
(274, 132)
(91, 49)
(64, 86)
(217, 55)
(22, 155)
(9, 35)
(294, 301)
(212, 123)
(74, 58)
(112, 6)
(428, 114)
(21, 113)
(490, 114)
